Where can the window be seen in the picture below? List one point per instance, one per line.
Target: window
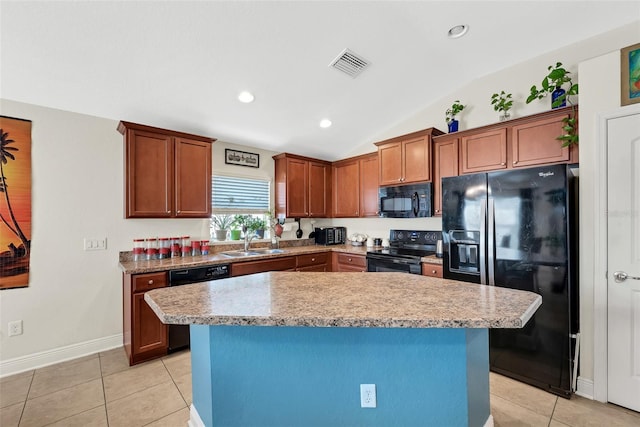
(239, 195)
(232, 196)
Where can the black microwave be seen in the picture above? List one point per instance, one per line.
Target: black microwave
(405, 201)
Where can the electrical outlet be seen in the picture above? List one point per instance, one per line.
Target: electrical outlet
(15, 328)
(368, 396)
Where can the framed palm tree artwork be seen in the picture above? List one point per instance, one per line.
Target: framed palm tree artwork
(15, 202)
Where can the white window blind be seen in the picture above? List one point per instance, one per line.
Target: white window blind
(239, 195)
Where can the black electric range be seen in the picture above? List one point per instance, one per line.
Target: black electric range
(406, 248)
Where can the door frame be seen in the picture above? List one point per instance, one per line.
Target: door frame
(600, 301)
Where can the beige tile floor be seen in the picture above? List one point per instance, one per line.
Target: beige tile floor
(102, 390)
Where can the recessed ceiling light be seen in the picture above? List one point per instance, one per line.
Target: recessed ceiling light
(458, 31)
(325, 123)
(246, 97)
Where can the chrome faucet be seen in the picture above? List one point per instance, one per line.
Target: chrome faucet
(247, 238)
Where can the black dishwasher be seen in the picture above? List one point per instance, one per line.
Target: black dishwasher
(179, 334)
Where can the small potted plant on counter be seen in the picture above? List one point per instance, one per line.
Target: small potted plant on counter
(258, 226)
(502, 103)
(221, 225)
(239, 221)
(451, 114)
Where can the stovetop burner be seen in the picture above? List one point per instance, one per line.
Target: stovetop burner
(410, 244)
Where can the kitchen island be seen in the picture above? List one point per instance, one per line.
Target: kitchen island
(291, 348)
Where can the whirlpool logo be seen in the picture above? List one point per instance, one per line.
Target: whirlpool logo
(545, 174)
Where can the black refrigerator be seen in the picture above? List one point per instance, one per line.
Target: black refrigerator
(515, 229)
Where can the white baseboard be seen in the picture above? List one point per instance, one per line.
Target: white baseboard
(57, 355)
(195, 420)
(585, 388)
(489, 422)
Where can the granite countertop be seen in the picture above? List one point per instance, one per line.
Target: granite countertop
(385, 300)
(138, 267)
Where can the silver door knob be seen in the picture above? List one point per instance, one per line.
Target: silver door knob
(621, 276)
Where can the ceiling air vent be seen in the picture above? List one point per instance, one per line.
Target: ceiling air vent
(350, 63)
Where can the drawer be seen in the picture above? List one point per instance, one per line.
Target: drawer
(433, 270)
(251, 267)
(349, 259)
(145, 282)
(313, 259)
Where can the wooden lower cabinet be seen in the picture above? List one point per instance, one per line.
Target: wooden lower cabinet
(344, 262)
(145, 337)
(260, 266)
(433, 270)
(318, 262)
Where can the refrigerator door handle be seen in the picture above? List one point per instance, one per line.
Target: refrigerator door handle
(491, 241)
(483, 222)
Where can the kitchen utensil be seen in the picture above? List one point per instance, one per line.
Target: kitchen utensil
(370, 242)
(385, 243)
(377, 241)
(299, 231)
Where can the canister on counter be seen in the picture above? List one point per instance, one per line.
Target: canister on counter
(138, 249)
(195, 247)
(164, 248)
(185, 246)
(175, 247)
(152, 248)
(204, 247)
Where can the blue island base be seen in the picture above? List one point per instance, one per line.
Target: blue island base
(246, 376)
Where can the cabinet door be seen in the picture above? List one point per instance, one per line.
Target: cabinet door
(251, 267)
(535, 143)
(369, 186)
(416, 160)
(192, 178)
(318, 198)
(346, 184)
(149, 175)
(297, 188)
(445, 164)
(484, 151)
(149, 333)
(433, 270)
(390, 159)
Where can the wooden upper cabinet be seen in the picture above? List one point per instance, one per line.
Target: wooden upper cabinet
(406, 159)
(193, 178)
(535, 143)
(319, 174)
(390, 163)
(445, 163)
(417, 159)
(302, 186)
(346, 184)
(167, 173)
(484, 151)
(369, 185)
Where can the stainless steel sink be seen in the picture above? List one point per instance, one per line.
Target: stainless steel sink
(252, 252)
(236, 254)
(268, 251)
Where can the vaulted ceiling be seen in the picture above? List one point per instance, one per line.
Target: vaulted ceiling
(182, 64)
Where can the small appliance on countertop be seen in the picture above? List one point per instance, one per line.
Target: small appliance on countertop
(330, 235)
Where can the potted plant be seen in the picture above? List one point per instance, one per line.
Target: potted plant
(553, 84)
(239, 221)
(221, 225)
(258, 226)
(502, 103)
(451, 114)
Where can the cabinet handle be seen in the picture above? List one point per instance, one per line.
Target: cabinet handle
(515, 162)
(168, 212)
(151, 282)
(349, 259)
(313, 259)
(437, 210)
(503, 164)
(433, 272)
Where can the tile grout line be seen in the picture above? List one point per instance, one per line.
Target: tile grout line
(104, 393)
(553, 411)
(174, 383)
(24, 404)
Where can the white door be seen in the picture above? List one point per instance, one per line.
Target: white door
(623, 223)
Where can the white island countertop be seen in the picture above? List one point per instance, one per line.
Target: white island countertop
(375, 300)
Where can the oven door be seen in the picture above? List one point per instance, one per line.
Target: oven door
(386, 263)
